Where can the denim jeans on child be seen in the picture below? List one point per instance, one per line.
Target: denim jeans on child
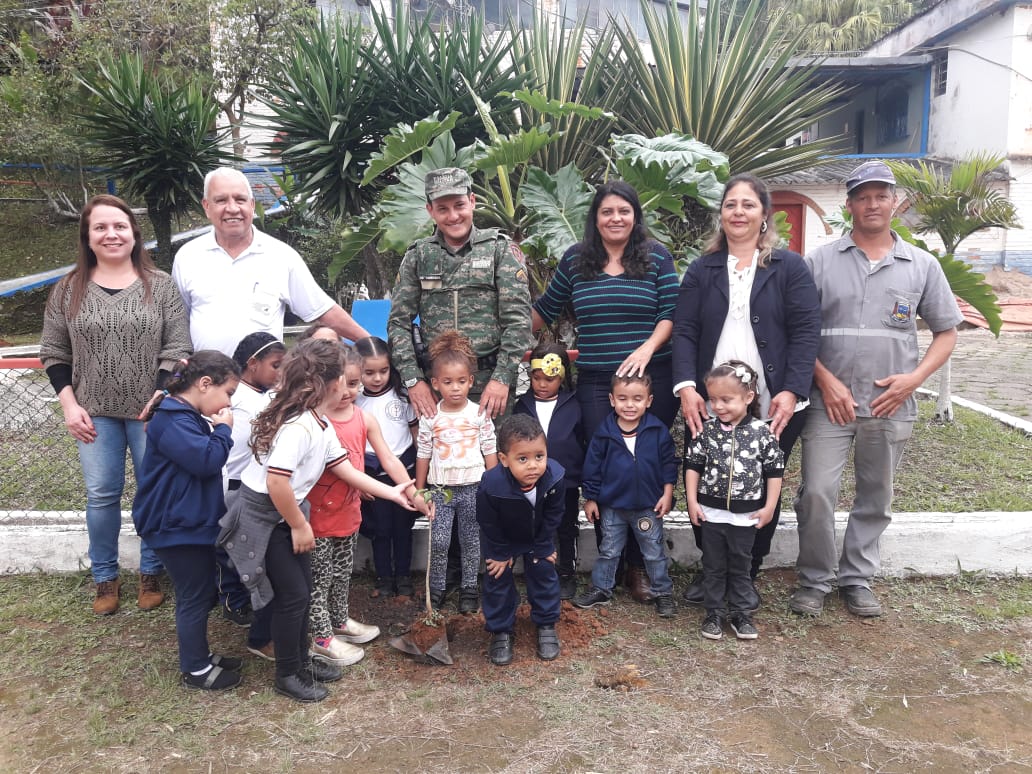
(103, 468)
(649, 532)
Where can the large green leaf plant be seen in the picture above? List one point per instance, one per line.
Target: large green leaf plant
(543, 210)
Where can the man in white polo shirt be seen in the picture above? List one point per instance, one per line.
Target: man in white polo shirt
(235, 280)
(872, 286)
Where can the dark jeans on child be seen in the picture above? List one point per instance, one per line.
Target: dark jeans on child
(387, 524)
(192, 569)
(500, 598)
(291, 577)
(726, 559)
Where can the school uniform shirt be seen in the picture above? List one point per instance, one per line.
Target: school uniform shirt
(179, 486)
(246, 404)
(336, 505)
(395, 416)
(302, 449)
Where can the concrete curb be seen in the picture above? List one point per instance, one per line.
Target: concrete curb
(915, 543)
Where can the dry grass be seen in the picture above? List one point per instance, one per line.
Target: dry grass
(906, 692)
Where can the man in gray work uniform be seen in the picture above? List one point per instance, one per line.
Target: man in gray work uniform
(872, 287)
(466, 279)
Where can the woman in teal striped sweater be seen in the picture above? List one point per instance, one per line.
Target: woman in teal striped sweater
(622, 288)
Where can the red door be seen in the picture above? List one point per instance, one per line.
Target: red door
(794, 213)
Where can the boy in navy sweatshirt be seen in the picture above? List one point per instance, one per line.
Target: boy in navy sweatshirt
(519, 506)
(628, 478)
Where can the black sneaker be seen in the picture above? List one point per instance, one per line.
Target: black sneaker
(384, 588)
(323, 671)
(567, 586)
(215, 679)
(500, 649)
(232, 663)
(712, 627)
(742, 626)
(404, 585)
(547, 643)
(242, 616)
(437, 598)
(469, 601)
(665, 606)
(592, 597)
(301, 687)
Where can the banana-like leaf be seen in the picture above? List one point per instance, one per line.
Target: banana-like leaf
(664, 169)
(558, 205)
(353, 240)
(966, 283)
(558, 108)
(510, 152)
(670, 150)
(405, 141)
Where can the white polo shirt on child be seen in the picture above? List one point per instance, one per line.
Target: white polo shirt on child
(302, 449)
(228, 298)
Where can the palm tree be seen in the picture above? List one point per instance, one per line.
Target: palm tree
(954, 205)
(844, 25)
(156, 137)
(729, 82)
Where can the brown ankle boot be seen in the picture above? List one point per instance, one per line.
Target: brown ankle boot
(637, 581)
(106, 601)
(150, 594)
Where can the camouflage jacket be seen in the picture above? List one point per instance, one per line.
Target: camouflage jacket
(480, 290)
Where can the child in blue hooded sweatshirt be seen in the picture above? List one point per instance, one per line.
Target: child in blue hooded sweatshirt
(629, 476)
(179, 502)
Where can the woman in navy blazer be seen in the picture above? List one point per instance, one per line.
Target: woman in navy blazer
(748, 300)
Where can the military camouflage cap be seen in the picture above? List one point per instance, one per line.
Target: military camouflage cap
(449, 181)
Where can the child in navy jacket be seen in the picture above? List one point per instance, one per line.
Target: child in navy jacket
(559, 414)
(629, 476)
(519, 506)
(179, 502)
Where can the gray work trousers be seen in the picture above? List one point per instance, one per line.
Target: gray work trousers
(877, 449)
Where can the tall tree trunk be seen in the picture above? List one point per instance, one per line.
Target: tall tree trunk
(161, 220)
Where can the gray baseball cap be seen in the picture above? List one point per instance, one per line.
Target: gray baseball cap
(870, 172)
(448, 181)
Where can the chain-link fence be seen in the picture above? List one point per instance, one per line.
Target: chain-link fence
(39, 463)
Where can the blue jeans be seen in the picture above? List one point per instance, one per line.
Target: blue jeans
(648, 530)
(103, 468)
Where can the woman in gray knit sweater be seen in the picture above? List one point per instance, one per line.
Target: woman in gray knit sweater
(113, 329)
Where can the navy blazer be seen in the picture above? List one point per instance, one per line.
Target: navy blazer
(565, 439)
(784, 310)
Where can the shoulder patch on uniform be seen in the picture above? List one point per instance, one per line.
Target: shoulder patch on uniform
(517, 253)
(521, 274)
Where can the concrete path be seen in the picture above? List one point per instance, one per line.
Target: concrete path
(996, 372)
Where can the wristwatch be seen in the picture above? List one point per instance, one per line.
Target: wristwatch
(410, 383)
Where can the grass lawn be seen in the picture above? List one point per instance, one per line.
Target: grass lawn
(938, 684)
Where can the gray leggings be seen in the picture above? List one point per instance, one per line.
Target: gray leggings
(463, 506)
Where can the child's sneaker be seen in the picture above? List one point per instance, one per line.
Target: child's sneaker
(437, 598)
(353, 631)
(469, 600)
(590, 598)
(713, 627)
(215, 679)
(336, 651)
(665, 606)
(742, 626)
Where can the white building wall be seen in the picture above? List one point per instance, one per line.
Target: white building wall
(972, 115)
(1019, 125)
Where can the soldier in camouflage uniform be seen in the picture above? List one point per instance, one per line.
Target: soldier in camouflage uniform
(463, 278)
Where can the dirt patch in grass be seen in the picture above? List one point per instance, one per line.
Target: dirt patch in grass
(905, 692)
